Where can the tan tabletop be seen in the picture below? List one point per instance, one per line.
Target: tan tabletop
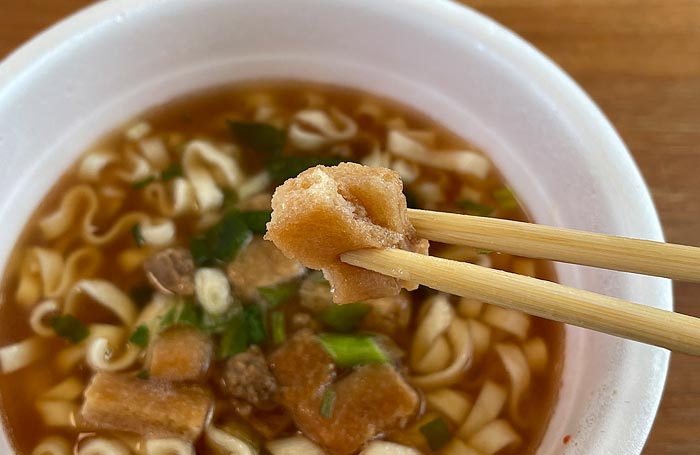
(640, 61)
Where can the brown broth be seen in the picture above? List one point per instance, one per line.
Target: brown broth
(202, 115)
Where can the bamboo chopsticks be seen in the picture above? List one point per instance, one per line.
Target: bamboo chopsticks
(647, 257)
(667, 329)
(674, 331)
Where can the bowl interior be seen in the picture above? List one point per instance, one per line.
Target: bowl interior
(109, 63)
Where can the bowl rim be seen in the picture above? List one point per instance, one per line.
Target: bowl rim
(533, 64)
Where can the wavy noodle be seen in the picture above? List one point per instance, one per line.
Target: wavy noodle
(469, 308)
(494, 437)
(53, 445)
(138, 130)
(481, 337)
(169, 446)
(58, 413)
(452, 403)
(68, 390)
(294, 445)
(458, 447)
(231, 445)
(138, 168)
(518, 371)
(106, 294)
(511, 321)
(254, 185)
(386, 448)
(409, 172)
(487, 407)
(377, 158)
(204, 164)
(462, 350)
(313, 129)
(94, 163)
(78, 209)
(535, 350)
(181, 200)
(19, 355)
(48, 275)
(102, 446)
(465, 162)
(38, 319)
(434, 323)
(99, 356)
(69, 357)
(155, 151)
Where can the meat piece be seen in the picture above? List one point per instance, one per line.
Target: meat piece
(389, 315)
(180, 354)
(150, 408)
(326, 211)
(371, 400)
(261, 264)
(171, 271)
(248, 378)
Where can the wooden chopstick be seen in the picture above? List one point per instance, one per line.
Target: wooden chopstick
(647, 257)
(667, 329)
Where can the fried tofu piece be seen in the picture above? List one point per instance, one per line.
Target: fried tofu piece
(261, 264)
(150, 408)
(326, 211)
(180, 354)
(301, 353)
(370, 400)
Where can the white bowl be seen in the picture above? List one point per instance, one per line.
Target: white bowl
(75, 82)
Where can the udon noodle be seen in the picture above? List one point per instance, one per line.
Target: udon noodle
(143, 313)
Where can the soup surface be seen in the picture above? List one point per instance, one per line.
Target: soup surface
(142, 312)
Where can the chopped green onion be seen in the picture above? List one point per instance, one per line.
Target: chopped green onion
(278, 329)
(282, 168)
(190, 314)
(235, 337)
(473, 208)
(411, 199)
(173, 170)
(345, 318)
(436, 433)
(254, 323)
(351, 350)
(136, 234)
(143, 374)
(141, 294)
(260, 137)
(140, 336)
(505, 198)
(69, 327)
(143, 183)
(221, 242)
(327, 403)
(168, 318)
(257, 220)
(279, 294)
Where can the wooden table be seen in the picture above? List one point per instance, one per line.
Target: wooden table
(640, 61)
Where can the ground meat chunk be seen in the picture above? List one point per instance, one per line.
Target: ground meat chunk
(371, 400)
(248, 378)
(326, 211)
(171, 271)
(261, 264)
